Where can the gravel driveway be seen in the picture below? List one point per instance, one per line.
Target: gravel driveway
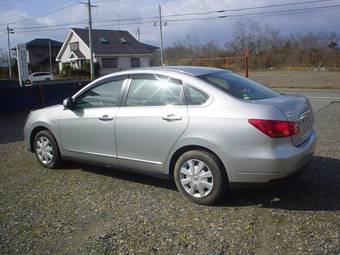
(83, 209)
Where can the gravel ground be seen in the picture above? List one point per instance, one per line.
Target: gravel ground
(83, 209)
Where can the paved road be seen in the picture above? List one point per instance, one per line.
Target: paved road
(319, 98)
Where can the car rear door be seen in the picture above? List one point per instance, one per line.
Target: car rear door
(87, 131)
(152, 119)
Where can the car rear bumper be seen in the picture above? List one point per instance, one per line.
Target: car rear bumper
(279, 164)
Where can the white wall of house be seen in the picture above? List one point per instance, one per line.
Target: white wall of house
(82, 47)
(60, 66)
(144, 61)
(123, 63)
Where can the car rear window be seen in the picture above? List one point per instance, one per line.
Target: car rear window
(239, 86)
(195, 97)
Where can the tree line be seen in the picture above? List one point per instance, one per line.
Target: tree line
(268, 48)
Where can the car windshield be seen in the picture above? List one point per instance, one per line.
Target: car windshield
(239, 86)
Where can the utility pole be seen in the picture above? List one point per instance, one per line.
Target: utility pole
(9, 31)
(161, 31)
(138, 34)
(50, 54)
(90, 40)
(89, 6)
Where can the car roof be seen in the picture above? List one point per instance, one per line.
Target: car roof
(191, 70)
(187, 70)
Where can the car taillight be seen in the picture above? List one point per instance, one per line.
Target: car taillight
(276, 128)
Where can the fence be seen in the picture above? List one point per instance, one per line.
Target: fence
(14, 99)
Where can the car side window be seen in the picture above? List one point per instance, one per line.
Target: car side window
(155, 90)
(104, 95)
(195, 96)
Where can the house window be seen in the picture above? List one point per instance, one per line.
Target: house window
(123, 40)
(110, 62)
(74, 46)
(135, 62)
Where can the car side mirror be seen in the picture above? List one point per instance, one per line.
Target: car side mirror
(68, 103)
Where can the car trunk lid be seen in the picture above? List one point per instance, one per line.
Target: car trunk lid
(297, 109)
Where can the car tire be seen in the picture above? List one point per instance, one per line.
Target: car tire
(47, 79)
(200, 176)
(46, 149)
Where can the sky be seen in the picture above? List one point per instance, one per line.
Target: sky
(24, 15)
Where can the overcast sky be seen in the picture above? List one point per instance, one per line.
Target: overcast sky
(33, 13)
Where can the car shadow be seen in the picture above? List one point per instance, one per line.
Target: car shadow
(128, 175)
(317, 189)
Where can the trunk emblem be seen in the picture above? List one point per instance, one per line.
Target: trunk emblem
(303, 115)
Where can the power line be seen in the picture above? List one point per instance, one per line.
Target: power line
(126, 19)
(69, 27)
(298, 10)
(178, 14)
(140, 21)
(43, 14)
(82, 21)
(11, 3)
(217, 11)
(246, 8)
(106, 1)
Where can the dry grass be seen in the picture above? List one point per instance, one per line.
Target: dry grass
(297, 79)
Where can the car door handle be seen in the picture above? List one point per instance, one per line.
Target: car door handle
(105, 117)
(171, 117)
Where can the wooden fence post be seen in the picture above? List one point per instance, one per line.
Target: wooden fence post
(246, 61)
(41, 96)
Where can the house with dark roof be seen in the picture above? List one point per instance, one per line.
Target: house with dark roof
(38, 51)
(114, 50)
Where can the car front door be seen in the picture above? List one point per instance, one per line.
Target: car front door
(87, 130)
(152, 119)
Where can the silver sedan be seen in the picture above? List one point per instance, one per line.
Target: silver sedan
(206, 128)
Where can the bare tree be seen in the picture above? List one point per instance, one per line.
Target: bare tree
(268, 48)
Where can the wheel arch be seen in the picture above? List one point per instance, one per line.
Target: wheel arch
(36, 130)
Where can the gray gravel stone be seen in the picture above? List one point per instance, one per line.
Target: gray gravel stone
(83, 209)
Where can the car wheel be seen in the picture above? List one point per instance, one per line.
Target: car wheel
(46, 149)
(199, 176)
(47, 79)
